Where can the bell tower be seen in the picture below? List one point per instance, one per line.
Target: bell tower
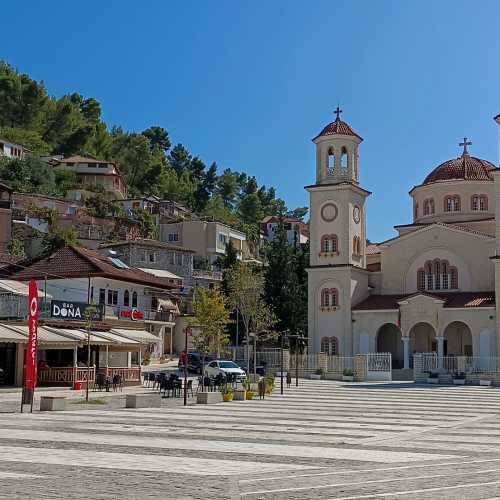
(338, 277)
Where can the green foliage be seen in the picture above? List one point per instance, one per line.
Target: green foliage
(286, 282)
(145, 223)
(16, 245)
(101, 204)
(58, 237)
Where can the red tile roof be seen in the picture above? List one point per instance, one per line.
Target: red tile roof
(146, 242)
(452, 300)
(338, 127)
(77, 262)
(372, 249)
(465, 167)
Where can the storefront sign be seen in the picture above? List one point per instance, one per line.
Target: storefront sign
(62, 309)
(30, 361)
(133, 314)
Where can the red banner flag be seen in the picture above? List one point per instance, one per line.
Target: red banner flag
(30, 361)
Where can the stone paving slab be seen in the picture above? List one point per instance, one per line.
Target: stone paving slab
(322, 440)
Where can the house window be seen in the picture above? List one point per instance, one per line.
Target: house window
(102, 296)
(152, 257)
(171, 258)
(329, 297)
(126, 298)
(429, 206)
(437, 275)
(330, 346)
(479, 202)
(452, 203)
(134, 299)
(329, 243)
(223, 239)
(112, 297)
(142, 255)
(173, 236)
(178, 259)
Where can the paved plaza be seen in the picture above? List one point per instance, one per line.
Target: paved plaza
(321, 440)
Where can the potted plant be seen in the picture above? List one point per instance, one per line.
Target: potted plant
(459, 378)
(250, 394)
(348, 375)
(485, 382)
(433, 378)
(269, 384)
(227, 393)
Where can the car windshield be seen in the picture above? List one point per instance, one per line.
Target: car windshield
(228, 364)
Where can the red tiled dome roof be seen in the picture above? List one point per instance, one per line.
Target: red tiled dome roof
(465, 168)
(338, 127)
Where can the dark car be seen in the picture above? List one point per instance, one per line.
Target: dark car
(194, 362)
(259, 369)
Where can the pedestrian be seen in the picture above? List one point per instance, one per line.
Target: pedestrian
(262, 388)
(288, 379)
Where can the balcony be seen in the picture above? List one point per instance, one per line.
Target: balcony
(207, 275)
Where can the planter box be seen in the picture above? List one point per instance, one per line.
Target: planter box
(348, 378)
(314, 376)
(143, 401)
(208, 398)
(485, 383)
(240, 395)
(52, 403)
(458, 381)
(433, 380)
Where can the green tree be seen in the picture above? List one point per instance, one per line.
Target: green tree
(227, 187)
(58, 237)
(211, 316)
(206, 187)
(179, 159)
(158, 138)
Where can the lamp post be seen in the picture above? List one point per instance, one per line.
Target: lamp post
(284, 335)
(298, 339)
(187, 331)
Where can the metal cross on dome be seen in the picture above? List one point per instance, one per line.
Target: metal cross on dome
(337, 112)
(465, 144)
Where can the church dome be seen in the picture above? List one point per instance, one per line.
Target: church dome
(338, 127)
(463, 168)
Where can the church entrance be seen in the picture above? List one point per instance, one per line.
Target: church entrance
(389, 340)
(423, 338)
(457, 340)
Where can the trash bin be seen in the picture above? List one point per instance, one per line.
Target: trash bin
(77, 386)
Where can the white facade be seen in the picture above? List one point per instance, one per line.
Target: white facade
(430, 289)
(11, 149)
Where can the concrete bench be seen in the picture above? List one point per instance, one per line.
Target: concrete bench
(208, 398)
(52, 403)
(143, 401)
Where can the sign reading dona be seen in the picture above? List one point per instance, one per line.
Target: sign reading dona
(62, 309)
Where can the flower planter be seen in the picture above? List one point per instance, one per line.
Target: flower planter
(315, 376)
(348, 378)
(250, 395)
(433, 380)
(458, 381)
(208, 398)
(485, 383)
(227, 397)
(240, 395)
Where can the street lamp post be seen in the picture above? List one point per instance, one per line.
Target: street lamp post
(284, 335)
(298, 338)
(187, 331)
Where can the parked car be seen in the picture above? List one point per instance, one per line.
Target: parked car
(259, 369)
(219, 366)
(194, 362)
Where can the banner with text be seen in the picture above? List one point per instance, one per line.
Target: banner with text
(29, 383)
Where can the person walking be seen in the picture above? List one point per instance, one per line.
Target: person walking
(288, 380)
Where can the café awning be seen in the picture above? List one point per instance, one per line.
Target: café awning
(9, 335)
(141, 336)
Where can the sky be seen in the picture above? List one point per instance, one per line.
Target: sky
(248, 84)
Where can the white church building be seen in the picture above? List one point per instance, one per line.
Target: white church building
(429, 289)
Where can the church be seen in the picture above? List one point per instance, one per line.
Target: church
(429, 289)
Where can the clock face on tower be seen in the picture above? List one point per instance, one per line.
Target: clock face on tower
(329, 212)
(356, 214)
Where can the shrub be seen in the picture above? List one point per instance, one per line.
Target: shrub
(347, 372)
(320, 371)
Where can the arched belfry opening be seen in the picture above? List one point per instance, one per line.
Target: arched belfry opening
(344, 160)
(331, 161)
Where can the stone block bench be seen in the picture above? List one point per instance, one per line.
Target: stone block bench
(143, 401)
(52, 403)
(208, 398)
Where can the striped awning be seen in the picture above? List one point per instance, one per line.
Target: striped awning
(9, 335)
(141, 336)
(45, 335)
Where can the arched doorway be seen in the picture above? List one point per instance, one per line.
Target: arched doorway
(423, 338)
(389, 340)
(457, 339)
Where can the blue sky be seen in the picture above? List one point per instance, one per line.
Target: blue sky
(248, 84)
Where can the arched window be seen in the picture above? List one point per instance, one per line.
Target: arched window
(356, 246)
(344, 159)
(415, 210)
(452, 203)
(134, 299)
(479, 202)
(126, 298)
(437, 275)
(421, 280)
(329, 297)
(454, 277)
(331, 161)
(429, 206)
(330, 346)
(329, 243)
